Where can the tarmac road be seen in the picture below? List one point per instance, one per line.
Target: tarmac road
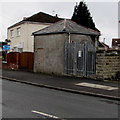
(27, 101)
(90, 87)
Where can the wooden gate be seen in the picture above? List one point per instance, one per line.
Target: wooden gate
(24, 60)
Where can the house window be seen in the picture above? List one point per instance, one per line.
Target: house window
(12, 33)
(20, 49)
(18, 31)
(118, 45)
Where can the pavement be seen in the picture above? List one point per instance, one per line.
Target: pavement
(77, 85)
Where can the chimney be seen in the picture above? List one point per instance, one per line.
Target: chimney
(24, 18)
(56, 15)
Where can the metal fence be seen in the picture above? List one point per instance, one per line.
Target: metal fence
(80, 59)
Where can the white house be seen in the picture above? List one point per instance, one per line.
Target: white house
(20, 34)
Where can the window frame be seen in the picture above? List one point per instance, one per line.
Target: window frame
(18, 31)
(12, 33)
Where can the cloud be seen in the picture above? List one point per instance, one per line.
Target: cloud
(105, 14)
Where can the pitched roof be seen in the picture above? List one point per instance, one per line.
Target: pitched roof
(43, 17)
(102, 44)
(66, 26)
(39, 17)
(115, 42)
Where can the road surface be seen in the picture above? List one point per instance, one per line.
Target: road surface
(26, 101)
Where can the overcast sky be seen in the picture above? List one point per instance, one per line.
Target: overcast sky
(105, 14)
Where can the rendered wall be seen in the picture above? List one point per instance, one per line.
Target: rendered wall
(81, 38)
(25, 38)
(49, 51)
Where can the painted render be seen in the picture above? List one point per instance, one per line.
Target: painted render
(25, 39)
(49, 51)
(50, 55)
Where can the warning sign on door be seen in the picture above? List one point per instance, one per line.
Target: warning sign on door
(79, 53)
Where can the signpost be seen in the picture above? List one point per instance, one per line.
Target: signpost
(6, 47)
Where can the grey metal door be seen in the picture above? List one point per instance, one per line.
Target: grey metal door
(80, 59)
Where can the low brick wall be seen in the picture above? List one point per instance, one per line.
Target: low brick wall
(108, 64)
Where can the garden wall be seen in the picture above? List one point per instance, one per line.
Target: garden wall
(108, 64)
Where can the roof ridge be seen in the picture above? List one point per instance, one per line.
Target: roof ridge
(85, 27)
(104, 44)
(43, 17)
(47, 18)
(66, 26)
(48, 26)
(38, 14)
